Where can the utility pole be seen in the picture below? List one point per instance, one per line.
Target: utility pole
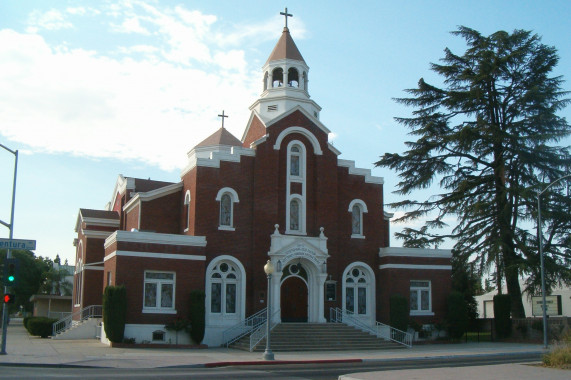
(9, 253)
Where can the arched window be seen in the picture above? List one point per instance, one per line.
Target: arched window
(292, 77)
(277, 77)
(187, 210)
(357, 287)
(357, 208)
(225, 291)
(224, 288)
(227, 197)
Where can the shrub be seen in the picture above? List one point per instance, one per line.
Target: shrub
(25, 322)
(457, 315)
(399, 312)
(114, 312)
(197, 315)
(502, 320)
(40, 326)
(560, 354)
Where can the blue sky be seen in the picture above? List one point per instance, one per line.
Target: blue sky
(93, 89)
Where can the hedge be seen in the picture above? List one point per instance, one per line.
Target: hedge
(457, 316)
(399, 312)
(197, 315)
(114, 312)
(40, 326)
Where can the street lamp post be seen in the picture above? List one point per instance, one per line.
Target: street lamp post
(9, 252)
(541, 260)
(269, 269)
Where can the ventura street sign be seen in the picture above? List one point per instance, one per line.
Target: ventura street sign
(17, 244)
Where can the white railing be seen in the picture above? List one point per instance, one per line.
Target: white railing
(243, 328)
(58, 314)
(93, 311)
(260, 333)
(380, 330)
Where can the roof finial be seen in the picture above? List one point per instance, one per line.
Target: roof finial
(286, 15)
(222, 116)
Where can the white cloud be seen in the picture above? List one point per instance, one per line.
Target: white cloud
(50, 20)
(149, 100)
(332, 136)
(74, 101)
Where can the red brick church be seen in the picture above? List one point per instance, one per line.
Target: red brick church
(279, 193)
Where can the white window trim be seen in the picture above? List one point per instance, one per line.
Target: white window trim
(370, 276)
(302, 179)
(428, 312)
(240, 314)
(159, 309)
(233, 199)
(363, 209)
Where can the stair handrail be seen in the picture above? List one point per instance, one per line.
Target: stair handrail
(243, 328)
(260, 333)
(91, 311)
(380, 330)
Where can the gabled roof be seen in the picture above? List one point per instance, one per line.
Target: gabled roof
(220, 137)
(285, 49)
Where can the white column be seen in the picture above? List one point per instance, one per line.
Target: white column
(276, 299)
(321, 302)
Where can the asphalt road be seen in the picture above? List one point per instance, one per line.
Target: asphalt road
(278, 371)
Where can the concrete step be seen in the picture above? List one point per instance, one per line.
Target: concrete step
(318, 337)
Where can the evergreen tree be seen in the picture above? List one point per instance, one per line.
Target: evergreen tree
(489, 138)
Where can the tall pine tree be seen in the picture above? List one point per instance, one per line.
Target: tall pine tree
(489, 137)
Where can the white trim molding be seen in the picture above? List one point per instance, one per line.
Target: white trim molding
(96, 234)
(155, 255)
(415, 252)
(359, 171)
(155, 238)
(415, 266)
(302, 131)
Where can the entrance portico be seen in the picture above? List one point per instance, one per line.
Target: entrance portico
(299, 259)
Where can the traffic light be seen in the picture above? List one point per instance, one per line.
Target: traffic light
(9, 298)
(10, 272)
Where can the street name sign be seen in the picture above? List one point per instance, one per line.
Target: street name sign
(17, 244)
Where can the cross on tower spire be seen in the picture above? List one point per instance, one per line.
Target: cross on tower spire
(223, 116)
(286, 15)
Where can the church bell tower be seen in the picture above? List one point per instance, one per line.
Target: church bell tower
(285, 80)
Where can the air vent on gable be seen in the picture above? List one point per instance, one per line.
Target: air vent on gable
(273, 107)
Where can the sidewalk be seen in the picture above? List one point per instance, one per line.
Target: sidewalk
(22, 349)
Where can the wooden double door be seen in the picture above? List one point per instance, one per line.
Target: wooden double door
(293, 300)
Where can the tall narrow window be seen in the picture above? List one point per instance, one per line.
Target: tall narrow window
(226, 211)
(294, 161)
(294, 215)
(227, 198)
(356, 220)
(296, 187)
(357, 208)
(187, 210)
